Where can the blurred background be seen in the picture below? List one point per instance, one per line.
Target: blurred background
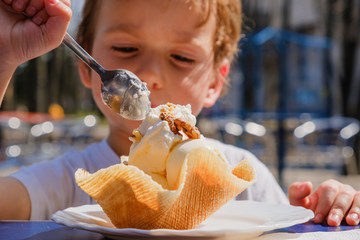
(293, 100)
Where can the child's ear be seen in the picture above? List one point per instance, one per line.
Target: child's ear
(85, 75)
(215, 88)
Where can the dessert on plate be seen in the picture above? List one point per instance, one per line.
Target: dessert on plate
(173, 178)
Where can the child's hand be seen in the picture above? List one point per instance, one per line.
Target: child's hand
(332, 201)
(25, 37)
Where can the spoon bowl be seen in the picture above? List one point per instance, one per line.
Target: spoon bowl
(121, 90)
(124, 93)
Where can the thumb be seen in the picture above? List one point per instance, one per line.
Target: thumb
(60, 13)
(299, 193)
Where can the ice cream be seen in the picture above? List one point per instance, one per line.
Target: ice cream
(154, 140)
(173, 177)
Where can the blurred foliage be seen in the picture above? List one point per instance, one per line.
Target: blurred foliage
(48, 79)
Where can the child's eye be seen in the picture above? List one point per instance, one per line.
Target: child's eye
(182, 59)
(125, 49)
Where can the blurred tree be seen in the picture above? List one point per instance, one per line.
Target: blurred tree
(51, 78)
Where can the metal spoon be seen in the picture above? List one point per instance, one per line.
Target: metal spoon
(121, 90)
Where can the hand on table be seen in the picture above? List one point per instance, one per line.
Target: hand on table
(332, 201)
(25, 37)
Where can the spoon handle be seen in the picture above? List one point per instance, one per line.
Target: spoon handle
(82, 54)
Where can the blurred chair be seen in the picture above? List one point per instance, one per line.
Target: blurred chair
(287, 75)
(80, 130)
(13, 136)
(325, 143)
(252, 136)
(27, 138)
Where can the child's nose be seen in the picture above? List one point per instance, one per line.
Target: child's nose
(150, 71)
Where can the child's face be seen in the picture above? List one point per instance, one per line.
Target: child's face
(164, 44)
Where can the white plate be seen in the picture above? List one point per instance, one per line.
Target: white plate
(240, 219)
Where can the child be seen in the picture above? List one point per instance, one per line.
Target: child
(182, 49)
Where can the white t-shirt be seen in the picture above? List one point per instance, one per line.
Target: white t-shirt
(52, 187)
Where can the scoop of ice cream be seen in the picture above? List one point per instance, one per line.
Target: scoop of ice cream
(178, 156)
(164, 127)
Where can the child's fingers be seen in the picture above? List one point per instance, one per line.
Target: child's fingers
(33, 7)
(327, 193)
(19, 5)
(7, 1)
(36, 9)
(353, 216)
(59, 17)
(299, 192)
(67, 2)
(40, 17)
(341, 205)
(58, 8)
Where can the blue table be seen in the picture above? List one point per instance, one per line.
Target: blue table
(43, 230)
(49, 230)
(311, 227)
